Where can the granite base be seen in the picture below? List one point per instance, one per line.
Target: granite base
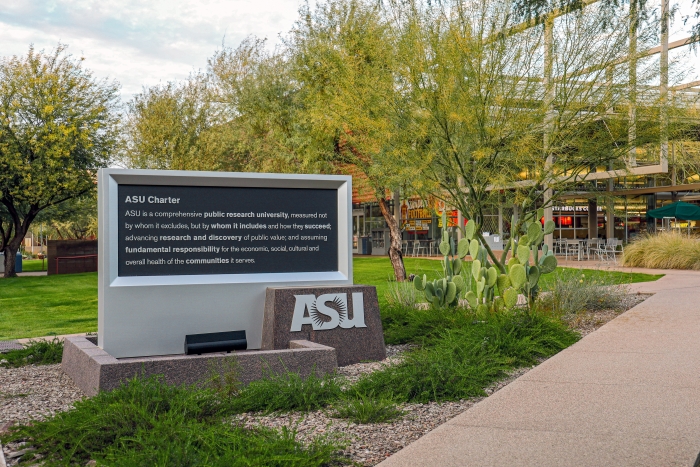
(93, 370)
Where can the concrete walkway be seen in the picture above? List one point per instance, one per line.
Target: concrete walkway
(625, 395)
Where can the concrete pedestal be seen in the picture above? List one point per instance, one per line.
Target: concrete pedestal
(94, 370)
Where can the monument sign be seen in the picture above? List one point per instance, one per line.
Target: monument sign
(185, 253)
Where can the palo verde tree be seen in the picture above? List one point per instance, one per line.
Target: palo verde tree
(57, 127)
(506, 112)
(262, 108)
(343, 54)
(174, 127)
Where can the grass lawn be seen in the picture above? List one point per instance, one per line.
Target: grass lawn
(377, 271)
(34, 265)
(67, 304)
(48, 305)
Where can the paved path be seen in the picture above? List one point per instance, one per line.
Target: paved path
(625, 395)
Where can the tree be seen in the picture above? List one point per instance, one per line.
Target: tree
(73, 219)
(512, 115)
(175, 127)
(344, 57)
(57, 127)
(263, 108)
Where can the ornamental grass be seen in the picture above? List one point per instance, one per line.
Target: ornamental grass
(667, 250)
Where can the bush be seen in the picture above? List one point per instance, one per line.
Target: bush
(404, 325)
(34, 353)
(367, 408)
(667, 250)
(147, 422)
(572, 292)
(288, 392)
(464, 360)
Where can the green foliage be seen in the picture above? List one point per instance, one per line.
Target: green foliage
(287, 392)
(175, 127)
(367, 408)
(404, 325)
(73, 219)
(461, 361)
(57, 127)
(147, 422)
(34, 353)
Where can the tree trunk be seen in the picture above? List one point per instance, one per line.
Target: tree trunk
(395, 244)
(11, 252)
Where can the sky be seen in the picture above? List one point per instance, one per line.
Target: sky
(143, 43)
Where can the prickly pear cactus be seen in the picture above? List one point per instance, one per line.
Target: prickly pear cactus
(524, 274)
(445, 292)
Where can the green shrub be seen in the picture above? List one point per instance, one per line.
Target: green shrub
(465, 360)
(288, 392)
(34, 353)
(367, 408)
(666, 250)
(415, 325)
(573, 292)
(147, 422)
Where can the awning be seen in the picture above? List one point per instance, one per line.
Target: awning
(679, 210)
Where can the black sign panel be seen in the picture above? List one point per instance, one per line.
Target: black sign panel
(178, 230)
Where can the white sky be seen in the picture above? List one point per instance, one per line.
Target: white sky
(146, 42)
(141, 42)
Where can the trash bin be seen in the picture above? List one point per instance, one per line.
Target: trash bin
(18, 262)
(365, 245)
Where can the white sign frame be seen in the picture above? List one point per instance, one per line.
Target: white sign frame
(150, 315)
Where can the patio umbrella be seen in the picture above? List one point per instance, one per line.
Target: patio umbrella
(679, 210)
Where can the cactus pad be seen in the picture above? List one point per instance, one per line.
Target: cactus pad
(491, 276)
(469, 229)
(451, 293)
(476, 269)
(473, 248)
(456, 266)
(548, 264)
(523, 254)
(510, 297)
(517, 275)
(502, 282)
(471, 299)
(463, 248)
(549, 227)
(533, 276)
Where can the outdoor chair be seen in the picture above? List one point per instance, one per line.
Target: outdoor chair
(573, 247)
(559, 247)
(593, 246)
(418, 247)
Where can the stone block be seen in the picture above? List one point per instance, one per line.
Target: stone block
(344, 317)
(93, 370)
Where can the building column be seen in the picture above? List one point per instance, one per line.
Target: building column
(500, 221)
(610, 218)
(592, 218)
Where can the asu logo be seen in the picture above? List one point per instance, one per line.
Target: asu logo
(323, 317)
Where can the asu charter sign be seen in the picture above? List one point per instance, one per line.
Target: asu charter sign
(346, 318)
(184, 253)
